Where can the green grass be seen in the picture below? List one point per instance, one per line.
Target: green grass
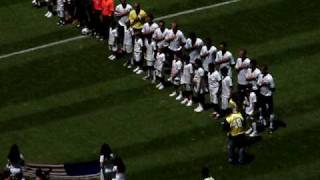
(60, 104)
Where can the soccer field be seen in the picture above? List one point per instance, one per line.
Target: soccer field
(59, 104)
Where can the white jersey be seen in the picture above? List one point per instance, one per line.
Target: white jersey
(149, 29)
(198, 75)
(138, 45)
(150, 48)
(214, 79)
(176, 67)
(187, 73)
(244, 65)
(210, 56)
(113, 34)
(160, 59)
(249, 103)
(266, 83)
(158, 34)
(254, 75)
(226, 56)
(120, 10)
(194, 54)
(226, 86)
(178, 40)
(128, 33)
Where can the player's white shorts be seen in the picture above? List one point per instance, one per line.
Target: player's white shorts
(214, 95)
(127, 48)
(150, 63)
(224, 102)
(113, 47)
(137, 56)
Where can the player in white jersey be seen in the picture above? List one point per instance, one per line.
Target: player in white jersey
(176, 40)
(160, 34)
(60, 12)
(199, 85)
(250, 110)
(149, 56)
(186, 81)
(226, 88)
(214, 83)
(252, 75)
(159, 68)
(128, 45)
(175, 77)
(112, 41)
(224, 58)
(208, 54)
(242, 65)
(193, 46)
(138, 52)
(122, 13)
(267, 88)
(149, 27)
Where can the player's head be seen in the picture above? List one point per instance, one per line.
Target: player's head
(174, 26)
(178, 55)
(224, 71)
(123, 2)
(186, 59)
(198, 63)
(223, 46)
(162, 24)
(211, 67)
(253, 63)
(265, 69)
(242, 53)
(208, 42)
(193, 36)
(160, 49)
(137, 34)
(149, 18)
(14, 154)
(136, 6)
(228, 111)
(205, 172)
(105, 150)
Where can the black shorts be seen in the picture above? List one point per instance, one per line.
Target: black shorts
(266, 103)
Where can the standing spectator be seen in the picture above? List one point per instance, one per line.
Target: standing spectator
(234, 125)
(137, 17)
(242, 65)
(15, 161)
(267, 88)
(224, 58)
(107, 15)
(176, 40)
(206, 174)
(122, 13)
(193, 46)
(96, 21)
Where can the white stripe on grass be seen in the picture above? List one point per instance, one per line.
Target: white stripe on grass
(81, 37)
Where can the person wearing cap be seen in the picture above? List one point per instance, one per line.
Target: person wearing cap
(137, 17)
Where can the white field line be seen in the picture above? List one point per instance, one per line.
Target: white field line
(81, 37)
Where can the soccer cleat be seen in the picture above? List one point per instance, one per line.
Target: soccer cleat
(178, 98)
(184, 101)
(46, 15)
(145, 78)
(189, 104)
(199, 108)
(140, 71)
(161, 87)
(136, 69)
(174, 93)
(253, 134)
(49, 15)
(249, 131)
(125, 64)
(112, 58)
(129, 67)
(158, 85)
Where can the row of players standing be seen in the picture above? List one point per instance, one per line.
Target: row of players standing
(196, 67)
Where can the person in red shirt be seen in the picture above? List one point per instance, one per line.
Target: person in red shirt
(96, 21)
(107, 16)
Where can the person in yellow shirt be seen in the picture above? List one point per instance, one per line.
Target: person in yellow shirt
(137, 17)
(234, 125)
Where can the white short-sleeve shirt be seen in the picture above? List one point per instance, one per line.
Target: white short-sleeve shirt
(226, 86)
(226, 56)
(194, 54)
(177, 42)
(266, 83)
(150, 48)
(254, 75)
(147, 28)
(186, 73)
(214, 79)
(138, 45)
(160, 59)
(120, 10)
(244, 64)
(176, 66)
(210, 56)
(249, 103)
(158, 34)
(127, 39)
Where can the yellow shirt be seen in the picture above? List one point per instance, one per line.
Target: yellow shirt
(235, 122)
(137, 21)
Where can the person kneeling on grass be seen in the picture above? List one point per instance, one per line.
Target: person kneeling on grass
(234, 125)
(176, 69)
(199, 85)
(159, 64)
(113, 35)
